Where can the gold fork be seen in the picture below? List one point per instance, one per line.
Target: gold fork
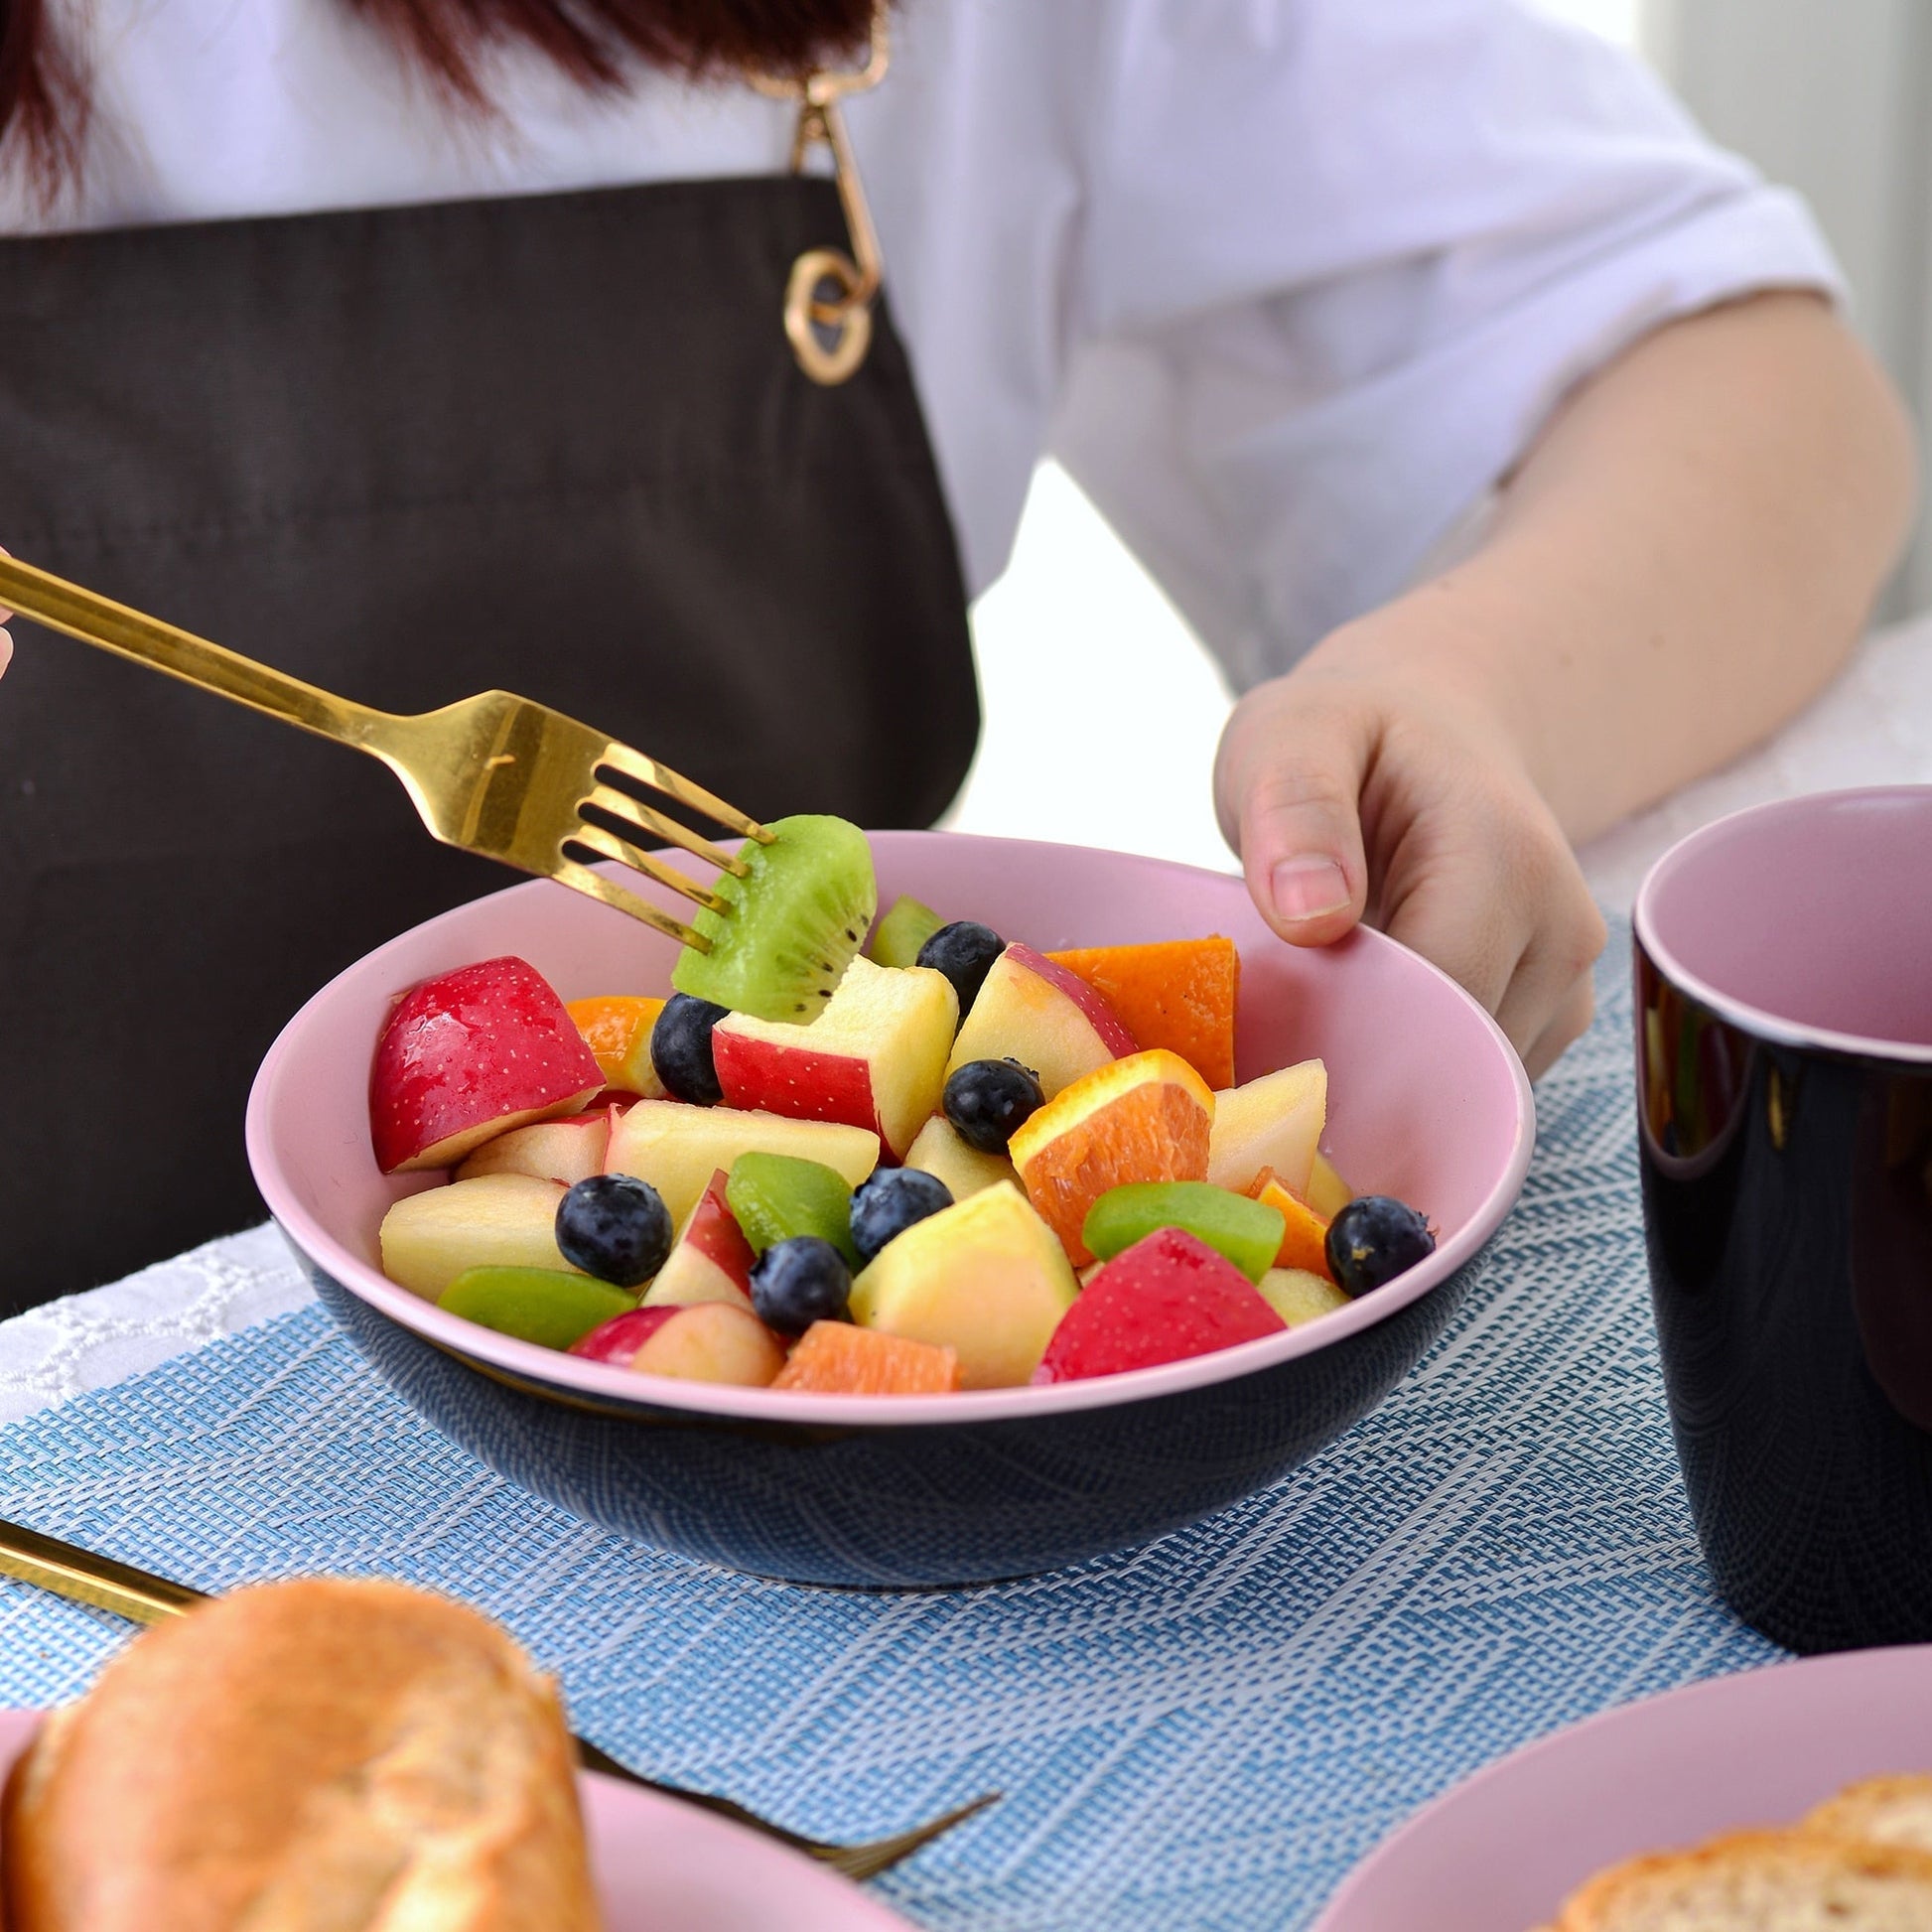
(79, 1575)
(494, 774)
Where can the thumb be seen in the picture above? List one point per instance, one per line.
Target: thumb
(1287, 786)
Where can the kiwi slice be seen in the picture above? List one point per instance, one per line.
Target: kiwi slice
(902, 932)
(540, 1304)
(792, 923)
(777, 1196)
(1247, 1232)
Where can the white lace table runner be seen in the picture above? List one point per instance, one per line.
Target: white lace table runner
(1873, 727)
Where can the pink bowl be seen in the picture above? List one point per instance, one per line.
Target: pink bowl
(1427, 1102)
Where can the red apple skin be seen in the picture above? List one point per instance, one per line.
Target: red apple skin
(1167, 1298)
(1104, 1020)
(470, 1054)
(714, 1232)
(712, 1259)
(712, 1341)
(619, 1339)
(761, 1078)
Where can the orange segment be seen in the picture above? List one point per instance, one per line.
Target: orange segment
(836, 1358)
(1176, 992)
(1305, 1240)
(1143, 1118)
(617, 1028)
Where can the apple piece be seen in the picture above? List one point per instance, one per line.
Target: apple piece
(1047, 1018)
(876, 1057)
(617, 1028)
(1174, 992)
(678, 1147)
(1326, 1193)
(1305, 1233)
(1165, 1298)
(497, 1220)
(566, 1151)
(618, 1339)
(940, 1152)
(1274, 1122)
(710, 1341)
(836, 1358)
(712, 1261)
(1143, 1118)
(546, 1306)
(471, 1054)
(985, 1277)
(1297, 1296)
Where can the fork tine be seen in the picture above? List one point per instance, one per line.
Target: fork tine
(581, 879)
(611, 845)
(675, 784)
(869, 1860)
(633, 811)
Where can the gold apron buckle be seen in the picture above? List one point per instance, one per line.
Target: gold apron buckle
(829, 293)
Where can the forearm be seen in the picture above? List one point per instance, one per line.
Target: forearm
(1679, 564)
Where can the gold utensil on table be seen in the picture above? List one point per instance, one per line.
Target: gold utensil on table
(494, 774)
(68, 1570)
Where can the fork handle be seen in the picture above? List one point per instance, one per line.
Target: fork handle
(95, 619)
(139, 1595)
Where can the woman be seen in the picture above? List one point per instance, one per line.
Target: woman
(418, 347)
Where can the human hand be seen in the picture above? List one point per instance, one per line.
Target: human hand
(6, 641)
(1373, 781)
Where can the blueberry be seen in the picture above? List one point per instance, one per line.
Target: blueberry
(798, 1282)
(964, 951)
(1373, 1239)
(680, 1049)
(989, 1101)
(890, 1202)
(615, 1228)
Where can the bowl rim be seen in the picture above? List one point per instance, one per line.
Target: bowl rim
(626, 1386)
(1761, 1022)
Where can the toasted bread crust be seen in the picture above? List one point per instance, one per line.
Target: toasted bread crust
(1723, 1885)
(313, 1756)
(1893, 1809)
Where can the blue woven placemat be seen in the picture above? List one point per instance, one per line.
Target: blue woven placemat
(1205, 1733)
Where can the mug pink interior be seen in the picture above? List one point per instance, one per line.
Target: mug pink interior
(1813, 913)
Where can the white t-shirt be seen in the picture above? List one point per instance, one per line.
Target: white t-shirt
(1287, 284)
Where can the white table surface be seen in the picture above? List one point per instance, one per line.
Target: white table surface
(1873, 726)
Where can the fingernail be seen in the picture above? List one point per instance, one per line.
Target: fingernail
(1309, 887)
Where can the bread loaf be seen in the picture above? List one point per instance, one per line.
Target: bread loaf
(1881, 1811)
(1761, 1882)
(313, 1756)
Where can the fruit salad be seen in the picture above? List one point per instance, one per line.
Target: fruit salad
(861, 1154)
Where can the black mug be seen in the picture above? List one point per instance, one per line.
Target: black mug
(1784, 1127)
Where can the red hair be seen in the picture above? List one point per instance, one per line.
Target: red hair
(42, 99)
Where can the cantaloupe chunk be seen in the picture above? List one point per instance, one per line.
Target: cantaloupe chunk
(1174, 992)
(1304, 1235)
(836, 1358)
(616, 1028)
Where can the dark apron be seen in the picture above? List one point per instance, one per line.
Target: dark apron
(557, 445)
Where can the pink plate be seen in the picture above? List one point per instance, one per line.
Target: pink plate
(666, 1867)
(1503, 1851)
